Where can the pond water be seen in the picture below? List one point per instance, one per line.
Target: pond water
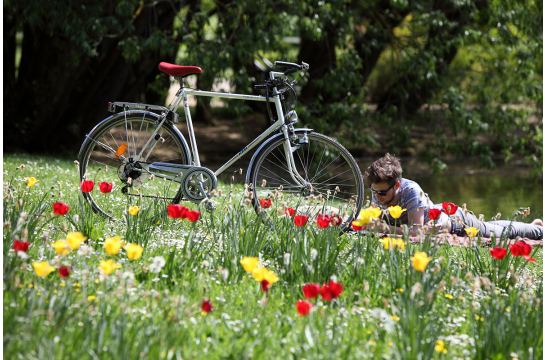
(485, 191)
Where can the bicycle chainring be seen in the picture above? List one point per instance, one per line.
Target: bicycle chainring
(191, 179)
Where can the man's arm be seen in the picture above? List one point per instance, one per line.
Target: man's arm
(416, 218)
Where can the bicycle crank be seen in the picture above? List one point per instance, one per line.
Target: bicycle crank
(197, 183)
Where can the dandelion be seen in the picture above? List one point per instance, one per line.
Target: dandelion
(91, 297)
(133, 210)
(112, 245)
(75, 239)
(43, 268)
(157, 264)
(395, 318)
(31, 181)
(134, 251)
(420, 260)
(303, 307)
(60, 208)
(448, 296)
(108, 266)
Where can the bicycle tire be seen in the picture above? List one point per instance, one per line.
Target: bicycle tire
(334, 169)
(134, 128)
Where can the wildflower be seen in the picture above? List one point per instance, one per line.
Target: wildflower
(87, 186)
(91, 297)
(313, 254)
(105, 187)
(395, 211)
(31, 181)
(420, 260)
(61, 247)
(310, 291)
(450, 208)
(134, 251)
(289, 211)
(20, 245)
(448, 296)
(108, 266)
(157, 264)
(206, 306)
(112, 245)
(300, 220)
(193, 215)
(331, 290)
(471, 231)
(60, 208)
(75, 239)
(498, 253)
(335, 220)
(440, 346)
(249, 263)
(520, 248)
(133, 210)
(434, 213)
(43, 268)
(323, 221)
(303, 307)
(265, 203)
(64, 271)
(395, 318)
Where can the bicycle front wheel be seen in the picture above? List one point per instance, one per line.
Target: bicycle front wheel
(334, 184)
(131, 152)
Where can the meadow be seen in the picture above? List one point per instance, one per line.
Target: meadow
(226, 285)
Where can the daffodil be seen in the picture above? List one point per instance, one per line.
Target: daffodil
(75, 239)
(133, 210)
(420, 261)
(31, 181)
(43, 268)
(249, 263)
(471, 231)
(108, 266)
(134, 251)
(112, 245)
(395, 211)
(61, 246)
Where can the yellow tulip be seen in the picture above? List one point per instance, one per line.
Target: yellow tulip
(112, 245)
(61, 247)
(249, 263)
(471, 231)
(259, 274)
(386, 242)
(369, 214)
(31, 181)
(75, 239)
(133, 210)
(43, 268)
(134, 251)
(271, 277)
(396, 211)
(108, 266)
(439, 345)
(397, 244)
(420, 260)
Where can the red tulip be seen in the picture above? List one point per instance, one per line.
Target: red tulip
(336, 220)
(206, 306)
(60, 208)
(358, 228)
(87, 186)
(331, 291)
(311, 290)
(265, 203)
(522, 249)
(264, 285)
(64, 271)
(105, 187)
(498, 253)
(175, 210)
(303, 307)
(300, 220)
(184, 213)
(450, 208)
(323, 221)
(434, 213)
(193, 215)
(289, 211)
(20, 245)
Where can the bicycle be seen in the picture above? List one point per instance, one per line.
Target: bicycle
(302, 168)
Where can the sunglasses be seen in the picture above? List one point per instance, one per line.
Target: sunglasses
(381, 192)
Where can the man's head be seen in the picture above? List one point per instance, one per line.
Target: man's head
(383, 176)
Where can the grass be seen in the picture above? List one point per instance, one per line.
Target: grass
(464, 305)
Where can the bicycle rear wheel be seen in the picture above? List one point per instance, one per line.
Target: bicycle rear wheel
(334, 178)
(112, 153)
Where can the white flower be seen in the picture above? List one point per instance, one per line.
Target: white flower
(225, 274)
(128, 275)
(21, 254)
(287, 259)
(84, 250)
(76, 218)
(157, 264)
(313, 254)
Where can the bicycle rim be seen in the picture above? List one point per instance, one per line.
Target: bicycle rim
(335, 178)
(114, 147)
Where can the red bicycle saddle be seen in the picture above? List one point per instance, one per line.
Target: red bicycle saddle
(179, 71)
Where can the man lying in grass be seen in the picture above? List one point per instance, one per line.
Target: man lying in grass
(388, 189)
